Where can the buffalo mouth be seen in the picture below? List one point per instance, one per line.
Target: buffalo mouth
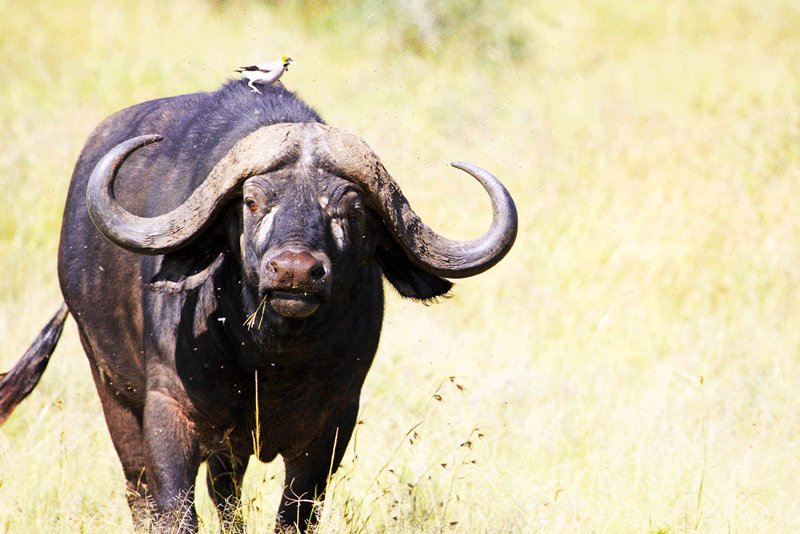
(295, 304)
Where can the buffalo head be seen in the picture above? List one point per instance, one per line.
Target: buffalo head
(316, 203)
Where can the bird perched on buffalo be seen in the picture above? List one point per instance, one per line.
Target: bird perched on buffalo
(265, 73)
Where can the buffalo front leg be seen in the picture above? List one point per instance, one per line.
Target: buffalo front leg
(172, 460)
(307, 475)
(224, 479)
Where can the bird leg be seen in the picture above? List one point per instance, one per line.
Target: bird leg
(253, 88)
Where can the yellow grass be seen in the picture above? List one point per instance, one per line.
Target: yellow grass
(633, 365)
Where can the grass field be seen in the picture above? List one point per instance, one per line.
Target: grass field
(633, 365)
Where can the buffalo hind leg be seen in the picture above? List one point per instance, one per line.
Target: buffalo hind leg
(125, 428)
(307, 476)
(224, 479)
(126, 434)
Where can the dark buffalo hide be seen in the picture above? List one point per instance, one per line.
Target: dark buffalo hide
(222, 254)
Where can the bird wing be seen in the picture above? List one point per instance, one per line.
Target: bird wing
(250, 68)
(269, 67)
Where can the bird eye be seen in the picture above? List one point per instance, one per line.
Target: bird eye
(251, 204)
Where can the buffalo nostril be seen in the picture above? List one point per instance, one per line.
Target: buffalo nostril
(317, 272)
(273, 266)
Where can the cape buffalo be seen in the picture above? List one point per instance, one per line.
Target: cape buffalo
(222, 254)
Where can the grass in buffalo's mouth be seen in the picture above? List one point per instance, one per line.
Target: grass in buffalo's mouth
(251, 320)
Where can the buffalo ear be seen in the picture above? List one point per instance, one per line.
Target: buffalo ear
(408, 279)
(188, 268)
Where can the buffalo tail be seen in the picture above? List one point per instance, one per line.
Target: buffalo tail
(17, 384)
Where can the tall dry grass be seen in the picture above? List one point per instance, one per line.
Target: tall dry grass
(631, 366)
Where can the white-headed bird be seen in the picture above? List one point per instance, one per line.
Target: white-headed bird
(265, 73)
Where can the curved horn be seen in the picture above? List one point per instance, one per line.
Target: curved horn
(424, 247)
(274, 146)
(260, 152)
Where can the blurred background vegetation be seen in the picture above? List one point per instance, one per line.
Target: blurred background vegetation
(632, 365)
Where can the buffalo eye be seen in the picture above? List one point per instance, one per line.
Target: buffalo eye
(251, 204)
(351, 205)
